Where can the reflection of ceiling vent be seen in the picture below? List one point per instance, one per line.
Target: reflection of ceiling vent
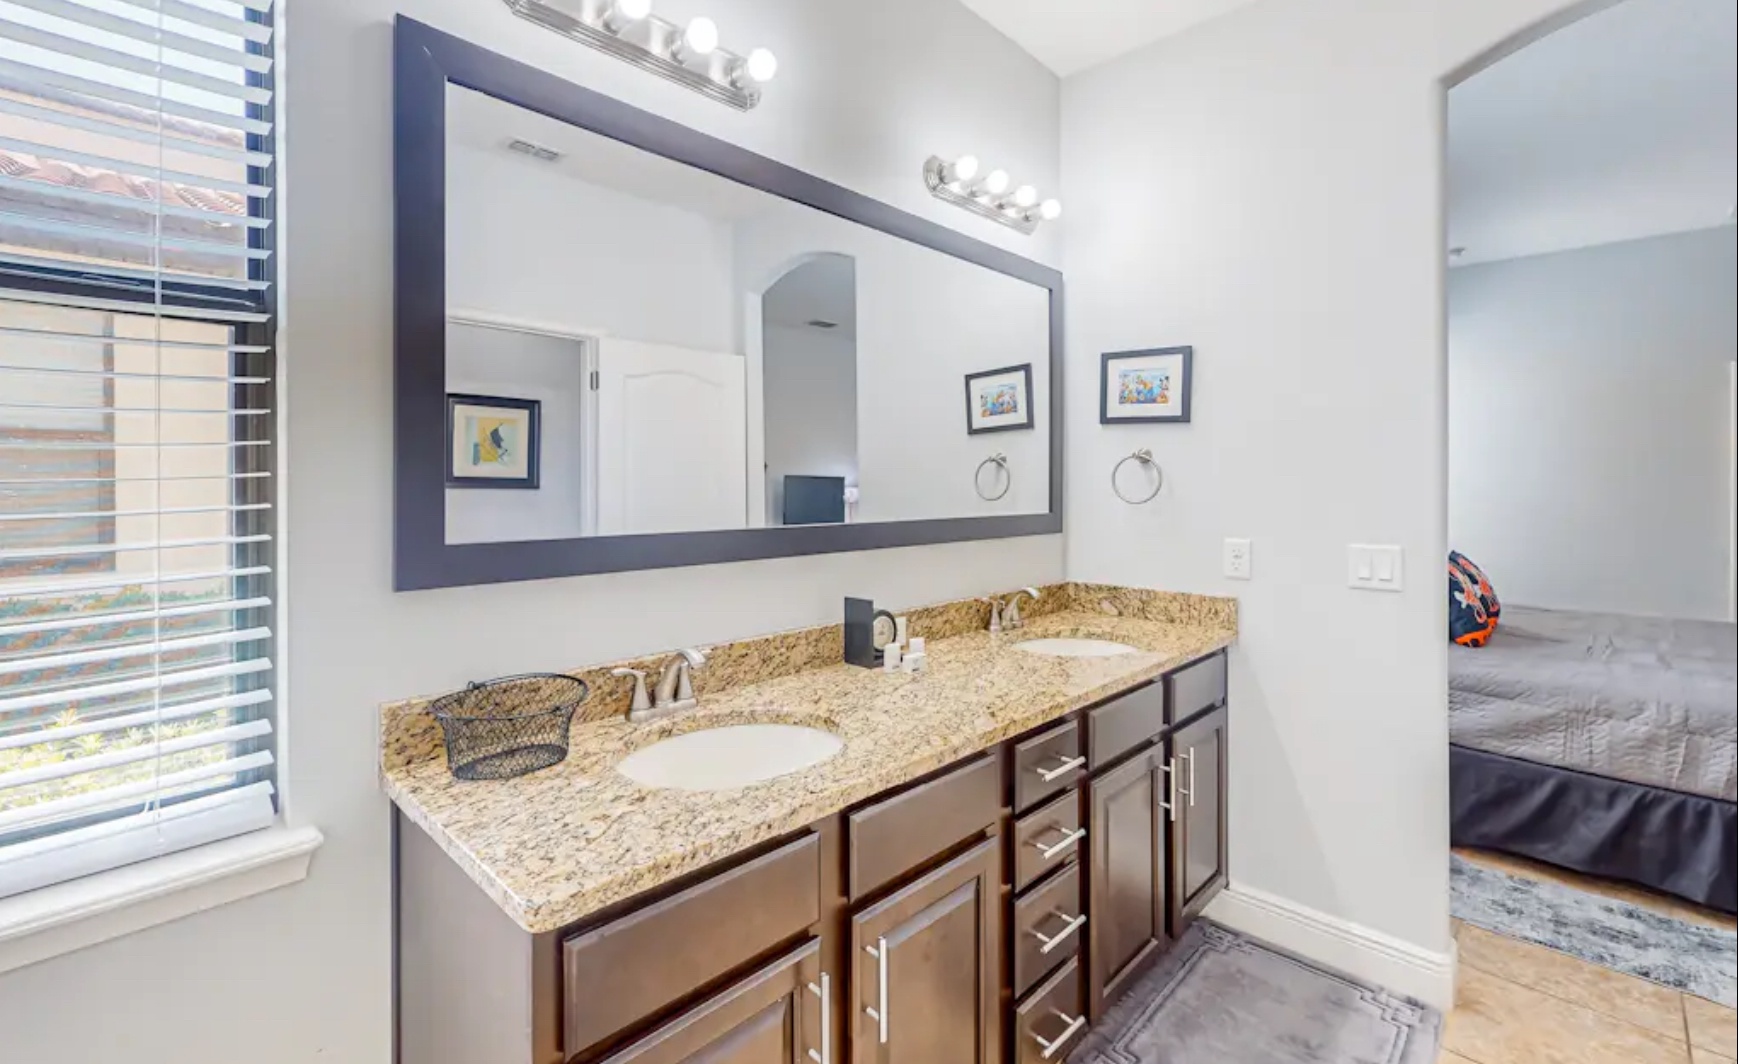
(817, 323)
(1455, 253)
(536, 151)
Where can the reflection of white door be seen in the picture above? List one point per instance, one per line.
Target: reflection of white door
(672, 432)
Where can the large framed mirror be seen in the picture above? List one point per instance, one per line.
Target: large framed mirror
(624, 344)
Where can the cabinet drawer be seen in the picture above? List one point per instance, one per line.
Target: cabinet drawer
(1200, 686)
(1128, 723)
(629, 969)
(891, 839)
(755, 1019)
(1050, 1022)
(1049, 924)
(1045, 764)
(1046, 838)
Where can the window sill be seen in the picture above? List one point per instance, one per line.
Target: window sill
(71, 916)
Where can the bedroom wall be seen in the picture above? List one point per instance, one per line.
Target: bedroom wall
(1267, 187)
(1589, 447)
(302, 975)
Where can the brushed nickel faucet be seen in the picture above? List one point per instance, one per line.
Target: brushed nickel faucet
(1011, 612)
(674, 691)
(995, 615)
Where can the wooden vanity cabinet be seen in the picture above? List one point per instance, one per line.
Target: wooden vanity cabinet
(1128, 892)
(1198, 837)
(927, 967)
(774, 1016)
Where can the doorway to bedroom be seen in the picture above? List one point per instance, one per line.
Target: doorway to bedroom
(1592, 272)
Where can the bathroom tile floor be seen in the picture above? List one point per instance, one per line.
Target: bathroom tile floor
(1523, 1004)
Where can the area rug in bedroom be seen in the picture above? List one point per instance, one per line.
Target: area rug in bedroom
(1680, 954)
(1221, 998)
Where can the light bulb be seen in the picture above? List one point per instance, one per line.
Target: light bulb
(762, 65)
(701, 36)
(963, 168)
(996, 182)
(1050, 210)
(1025, 196)
(632, 10)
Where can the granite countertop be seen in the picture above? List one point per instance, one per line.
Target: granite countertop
(555, 846)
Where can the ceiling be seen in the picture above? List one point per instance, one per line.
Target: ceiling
(1069, 36)
(484, 123)
(1620, 126)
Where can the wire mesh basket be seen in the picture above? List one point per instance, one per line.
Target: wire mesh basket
(497, 729)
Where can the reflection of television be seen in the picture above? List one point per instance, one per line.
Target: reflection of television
(814, 500)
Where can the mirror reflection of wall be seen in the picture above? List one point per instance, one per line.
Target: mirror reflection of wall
(704, 355)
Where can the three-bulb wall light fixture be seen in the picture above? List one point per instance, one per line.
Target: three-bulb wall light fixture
(687, 53)
(992, 195)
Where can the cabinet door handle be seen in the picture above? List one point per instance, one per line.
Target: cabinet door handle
(1075, 1023)
(1190, 758)
(879, 1013)
(1060, 847)
(1069, 764)
(1171, 784)
(1048, 943)
(825, 993)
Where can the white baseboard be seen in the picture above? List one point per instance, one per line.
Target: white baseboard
(1364, 954)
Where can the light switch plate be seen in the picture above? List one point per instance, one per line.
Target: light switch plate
(1238, 564)
(1375, 567)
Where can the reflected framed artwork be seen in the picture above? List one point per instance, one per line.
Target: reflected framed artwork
(999, 400)
(492, 441)
(1146, 386)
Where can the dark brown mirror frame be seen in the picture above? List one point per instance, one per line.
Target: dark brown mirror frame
(426, 61)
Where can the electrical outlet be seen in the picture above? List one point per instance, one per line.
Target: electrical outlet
(1237, 559)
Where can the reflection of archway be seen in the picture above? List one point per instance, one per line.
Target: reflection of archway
(807, 349)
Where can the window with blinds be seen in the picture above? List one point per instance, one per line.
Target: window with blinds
(136, 454)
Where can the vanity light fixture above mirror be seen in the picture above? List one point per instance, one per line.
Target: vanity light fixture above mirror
(688, 53)
(993, 194)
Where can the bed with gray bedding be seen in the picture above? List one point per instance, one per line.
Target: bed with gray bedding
(1604, 744)
(1642, 699)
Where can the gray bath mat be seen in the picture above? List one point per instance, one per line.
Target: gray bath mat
(1626, 938)
(1221, 998)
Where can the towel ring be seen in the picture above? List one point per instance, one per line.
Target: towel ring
(1144, 457)
(997, 459)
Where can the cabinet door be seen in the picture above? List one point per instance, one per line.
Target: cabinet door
(1126, 910)
(928, 968)
(1197, 860)
(772, 1017)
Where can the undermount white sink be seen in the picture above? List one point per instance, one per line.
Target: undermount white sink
(721, 759)
(1075, 648)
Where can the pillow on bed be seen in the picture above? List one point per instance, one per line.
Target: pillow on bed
(1472, 604)
(1487, 593)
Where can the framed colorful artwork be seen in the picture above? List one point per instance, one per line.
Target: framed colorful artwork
(999, 400)
(1146, 386)
(492, 441)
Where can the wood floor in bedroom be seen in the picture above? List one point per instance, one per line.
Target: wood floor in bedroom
(1522, 1004)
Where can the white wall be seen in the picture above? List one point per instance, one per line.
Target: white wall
(302, 974)
(1266, 187)
(527, 243)
(1589, 449)
(811, 408)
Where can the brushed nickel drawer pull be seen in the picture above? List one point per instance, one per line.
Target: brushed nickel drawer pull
(1047, 943)
(1190, 758)
(825, 993)
(1062, 846)
(1075, 1023)
(879, 1014)
(1171, 776)
(1068, 765)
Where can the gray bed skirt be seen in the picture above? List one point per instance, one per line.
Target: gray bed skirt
(1682, 844)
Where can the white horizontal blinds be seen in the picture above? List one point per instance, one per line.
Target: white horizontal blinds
(136, 449)
(134, 142)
